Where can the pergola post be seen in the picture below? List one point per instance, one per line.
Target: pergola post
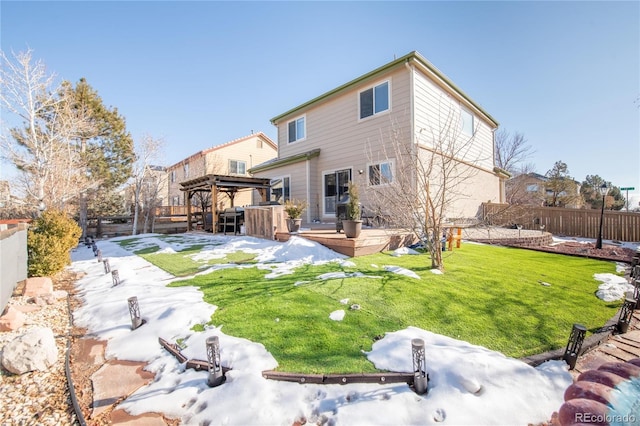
(214, 208)
(189, 211)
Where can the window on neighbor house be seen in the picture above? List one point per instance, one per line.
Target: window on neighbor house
(374, 100)
(173, 176)
(175, 201)
(381, 173)
(532, 187)
(186, 170)
(466, 121)
(281, 189)
(297, 129)
(237, 167)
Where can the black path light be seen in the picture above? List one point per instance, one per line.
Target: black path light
(603, 191)
(134, 311)
(115, 277)
(626, 313)
(107, 267)
(636, 291)
(216, 375)
(574, 345)
(420, 376)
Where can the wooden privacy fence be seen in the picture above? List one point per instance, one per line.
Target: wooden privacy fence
(620, 226)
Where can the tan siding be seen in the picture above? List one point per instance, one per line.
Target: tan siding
(434, 108)
(216, 161)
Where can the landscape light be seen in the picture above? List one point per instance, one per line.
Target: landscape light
(420, 376)
(626, 313)
(603, 191)
(574, 345)
(636, 291)
(134, 311)
(115, 277)
(216, 376)
(107, 268)
(99, 254)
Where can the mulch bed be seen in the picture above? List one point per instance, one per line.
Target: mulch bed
(611, 252)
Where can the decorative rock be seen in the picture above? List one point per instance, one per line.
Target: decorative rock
(589, 390)
(604, 377)
(60, 294)
(12, 320)
(35, 286)
(576, 410)
(624, 370)
(35, 350)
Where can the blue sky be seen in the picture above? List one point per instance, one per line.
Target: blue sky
(197, 74)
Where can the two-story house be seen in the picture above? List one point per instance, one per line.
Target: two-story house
(344, 135)
(233, 158)
(538, 190)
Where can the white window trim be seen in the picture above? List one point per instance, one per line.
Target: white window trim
(304, 116)
(236, 173)
(282, 178)
(473, 121)
(375, 114)
(393, 172)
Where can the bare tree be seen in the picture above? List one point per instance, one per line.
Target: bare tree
(511, 150)
(147, 151)
(431, 168)
(43, 146)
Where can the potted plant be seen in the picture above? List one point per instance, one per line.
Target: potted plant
(294, 209)
(352, 225)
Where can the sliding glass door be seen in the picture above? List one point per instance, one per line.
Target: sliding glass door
(335, 188)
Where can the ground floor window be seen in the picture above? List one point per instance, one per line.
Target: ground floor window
(381, 173)
(281, 189)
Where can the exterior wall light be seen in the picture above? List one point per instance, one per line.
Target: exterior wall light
(574, 345)
(216, 376)
(420, 376)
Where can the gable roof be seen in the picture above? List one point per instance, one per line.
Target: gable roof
(226, 144)
(411, 58)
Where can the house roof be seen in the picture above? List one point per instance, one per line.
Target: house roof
(277, 162)
(413, 57)
(226, 144)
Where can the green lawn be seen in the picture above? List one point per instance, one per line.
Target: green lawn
(490, 296)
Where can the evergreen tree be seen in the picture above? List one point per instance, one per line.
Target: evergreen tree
(107, 148)
(590, 191)
(561, 188)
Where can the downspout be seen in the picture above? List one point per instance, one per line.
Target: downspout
(308, 190)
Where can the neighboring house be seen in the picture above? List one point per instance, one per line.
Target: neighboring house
(232, 158)
(342, 135)
(538, 190)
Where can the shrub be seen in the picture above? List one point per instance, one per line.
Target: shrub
(49, 242)
(294, 208)
(353, 206)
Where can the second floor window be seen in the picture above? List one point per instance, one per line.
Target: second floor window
(296, 129)
(466, 121)
(374, 100)
(237, 167)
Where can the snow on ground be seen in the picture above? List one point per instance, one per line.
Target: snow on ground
(468, 384)
(613, 287)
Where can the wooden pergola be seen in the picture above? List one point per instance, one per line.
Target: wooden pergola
(228, 185)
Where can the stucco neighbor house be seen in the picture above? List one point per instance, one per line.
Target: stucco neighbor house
(233, 158)
(340, 136)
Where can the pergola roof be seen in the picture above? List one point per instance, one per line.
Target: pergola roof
(224, 183)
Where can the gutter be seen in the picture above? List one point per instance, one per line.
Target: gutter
(284, 161)
(434, 72)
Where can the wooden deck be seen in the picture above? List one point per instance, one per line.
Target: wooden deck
(370, 240)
